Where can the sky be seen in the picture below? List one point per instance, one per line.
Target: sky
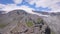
(36, 5)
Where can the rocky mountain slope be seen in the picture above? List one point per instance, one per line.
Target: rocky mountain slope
(20, 22)
(53, 20)
(54, 23)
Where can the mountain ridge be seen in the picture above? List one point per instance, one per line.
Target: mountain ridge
(21, 15)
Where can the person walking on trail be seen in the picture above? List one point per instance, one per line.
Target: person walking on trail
(47, 30)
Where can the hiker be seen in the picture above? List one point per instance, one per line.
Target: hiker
(47, 30)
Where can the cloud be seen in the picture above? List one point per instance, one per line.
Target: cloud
(10, 7)
(53, 4)
(2, 5)
(17, 1)
(46, 3)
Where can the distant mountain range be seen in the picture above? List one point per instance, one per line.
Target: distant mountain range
(40, 12)
(2, 12)
(48, 13)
